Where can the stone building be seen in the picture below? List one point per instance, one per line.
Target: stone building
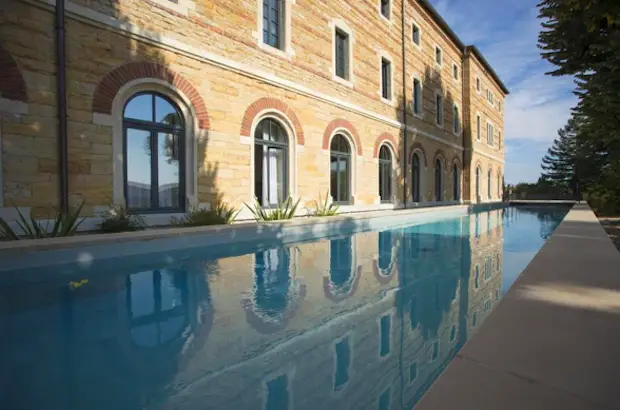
(177, 103)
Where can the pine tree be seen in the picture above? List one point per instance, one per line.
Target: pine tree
(559, 163)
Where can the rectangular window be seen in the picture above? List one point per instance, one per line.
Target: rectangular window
(416, 34)
(386, 79)
(385, 8)
(456, 125)
(413, 372)
(455, 71)
(499, 140)
(435, 351)
(478, 86)
(499, 106)
(478, 131)
(439, 109)
(272, 23)
(417, 96)
(438, 56)
(342, 54)
(384, 400)
(277, 394)
(385, 328)
(490, 134)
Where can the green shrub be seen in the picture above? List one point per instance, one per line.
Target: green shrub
(117, 219)
(222, 214)
(324, 208)
(64, 225)
(284, 210)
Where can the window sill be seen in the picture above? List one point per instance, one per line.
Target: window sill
(286, 53)
(419, 116)
(389, 102)
(416, 45)
(345, 82)
(439, 66)
(385, 19)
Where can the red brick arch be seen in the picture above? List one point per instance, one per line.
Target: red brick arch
(342, 123)
(439, 153)
(12, 84)
(110, 85)
(417, 146)
(385, 137)
(267, 103)
(457, 160)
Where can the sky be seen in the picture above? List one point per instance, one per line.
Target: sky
(506, 31)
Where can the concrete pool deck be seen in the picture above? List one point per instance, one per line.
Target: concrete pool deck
(554, 340)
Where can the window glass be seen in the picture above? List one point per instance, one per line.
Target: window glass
(272, 16)
(138, 157)
(277, 394)
(386, 79)
(343, 361)
(385, 8)
(385, 174)
(270, 163)
(417, 96)
(385, 330)
(416, 34)
(438, 56)
(340, 163)
(342, 54)
(439, 108)
(140, 107)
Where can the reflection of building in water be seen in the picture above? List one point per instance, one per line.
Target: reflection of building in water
(368, 321)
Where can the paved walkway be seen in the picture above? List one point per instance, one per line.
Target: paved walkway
(554, 341)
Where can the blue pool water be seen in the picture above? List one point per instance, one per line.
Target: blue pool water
(367, 321)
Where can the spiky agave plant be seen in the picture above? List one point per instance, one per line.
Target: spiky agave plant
(283, 211)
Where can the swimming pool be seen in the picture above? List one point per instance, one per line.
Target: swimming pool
(368, 320)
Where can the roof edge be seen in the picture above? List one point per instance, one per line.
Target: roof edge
(465, 49)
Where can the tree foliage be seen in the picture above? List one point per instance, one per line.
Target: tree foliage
(559, 163)
(582, 38)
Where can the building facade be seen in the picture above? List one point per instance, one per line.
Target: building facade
(178, 103)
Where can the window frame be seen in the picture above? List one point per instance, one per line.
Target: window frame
(286, 49)
(478, 85)
(417, 104)
(414, 26)
(285, 147)
(478, 127)
(387, 18)
(435, 55)
(349, 171)
(439, 111)
(490, 183)
(416, 187)
(390, 167)
(456, 72)
(456, 120)
(154, 130)
(336, 26)
(383, 58)
(490, 134)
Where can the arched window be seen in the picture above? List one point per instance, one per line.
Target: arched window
(270, 163)
(478, 176)
(489, 182)
(340, 169)
(272, 282)
(158, 306)
(385, 174)
(415, 177)
(499, 185)
(154, 152)
(456, 185)
(341, 269)
(438, 181)
(385, 252)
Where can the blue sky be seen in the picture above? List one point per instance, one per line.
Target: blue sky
(506, 31)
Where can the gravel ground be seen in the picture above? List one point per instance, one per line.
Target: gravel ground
(612, 226)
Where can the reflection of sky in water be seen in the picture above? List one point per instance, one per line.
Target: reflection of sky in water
(347, 322)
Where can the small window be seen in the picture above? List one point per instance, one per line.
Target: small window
(439, 109)
(278, 394)
(343, 362)
(340, 169)
(490, 134)
(435, 351)
(477, 276)
(478, 131)
(417, 97)
(499, 140)
(385, 8)
(342, 54)
(413, 372)
(386, 79)
(385, 328)
(455, 71)
(384, 400)
(273, 23)
(415, 35)
(452, 333)
(478, 86)
(456, 123)
(438, 56)
(499, 106)
(474, 319)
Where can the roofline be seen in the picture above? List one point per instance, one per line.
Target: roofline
(464, 49)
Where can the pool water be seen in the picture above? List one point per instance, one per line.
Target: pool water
(350, 322)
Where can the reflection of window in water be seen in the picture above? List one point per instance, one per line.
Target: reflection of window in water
(384, 400)
(487, 268)
(343, 361)
(341, 269)
(413, 314)
(474, 319)
(413, 372)
(496, 294)
(385, 328)
(497, 263)
(487, 304)
(272, 281)
(277, 393)
(385, 251)
(453, 333)
(157, 302)
(477, 278)
(477, 226)
(435, 351)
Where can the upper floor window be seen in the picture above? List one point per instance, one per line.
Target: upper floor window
(478, 85)
(386, 8)
(455, 71)
(499, 106)
(490, 135)
(490, 96)
(417, 96)
(154, 150)
(386, 79)
(416, 35)
(342, 54)
(438, 55)
(478, 131)
(456, 123)
(439, 109)
(273, 23)
(343, 362)
(340, 169)
(499, 140)
(385, 329)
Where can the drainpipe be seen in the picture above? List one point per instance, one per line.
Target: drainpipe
(61, 93)
(404, 52)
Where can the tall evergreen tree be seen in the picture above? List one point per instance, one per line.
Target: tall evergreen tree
(559, 163)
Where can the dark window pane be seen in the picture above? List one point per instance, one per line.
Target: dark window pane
(168, 171)
(140, 108)
(385, 8)
(384, 400)
(277, 394)
(333, 177)
(413, 372)
(139, 152)
(342, 54)
(343, 361)
(385, 328)
(272, 282)
(343, 180)
(271, 22)
(385, 250)
(258, 172)
(416, 34)
(385, 79)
